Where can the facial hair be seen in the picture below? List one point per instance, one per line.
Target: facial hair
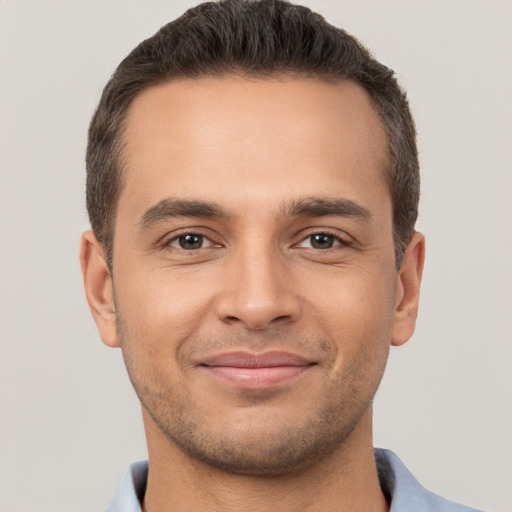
(270, 445)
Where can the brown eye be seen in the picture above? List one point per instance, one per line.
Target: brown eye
(188, 242)
(191, 242)
(322, 241)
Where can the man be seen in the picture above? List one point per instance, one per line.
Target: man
(252, 189)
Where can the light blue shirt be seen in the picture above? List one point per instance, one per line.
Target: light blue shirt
(403, 490)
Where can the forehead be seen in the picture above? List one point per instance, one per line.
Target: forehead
(220, 137)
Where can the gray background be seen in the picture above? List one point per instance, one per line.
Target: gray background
(70, 422)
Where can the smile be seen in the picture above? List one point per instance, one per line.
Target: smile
(256, 371)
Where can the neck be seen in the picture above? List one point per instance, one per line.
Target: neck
(346, 481)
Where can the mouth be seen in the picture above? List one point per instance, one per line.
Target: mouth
(256, 370)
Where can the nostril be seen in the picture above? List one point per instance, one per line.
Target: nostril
(257, 305)
(257, 321)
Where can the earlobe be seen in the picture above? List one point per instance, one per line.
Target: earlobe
(408, 290)
(98, 288)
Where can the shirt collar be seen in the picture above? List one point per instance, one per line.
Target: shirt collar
(400, 487)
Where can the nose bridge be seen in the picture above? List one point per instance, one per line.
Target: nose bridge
(257, 291)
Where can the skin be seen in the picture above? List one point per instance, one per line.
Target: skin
(282, 161)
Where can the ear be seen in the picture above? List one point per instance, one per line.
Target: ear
(98, 288)
(408, 290)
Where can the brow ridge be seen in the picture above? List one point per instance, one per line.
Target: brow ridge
(172, 208)
(323, 207)
(306, 207)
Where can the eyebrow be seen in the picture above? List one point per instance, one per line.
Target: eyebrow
(307, 207)
(324, 207)
(172, 208)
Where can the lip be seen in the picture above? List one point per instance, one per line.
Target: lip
(256, 370)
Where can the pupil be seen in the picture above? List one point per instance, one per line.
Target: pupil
(322, 241)
(191, 241)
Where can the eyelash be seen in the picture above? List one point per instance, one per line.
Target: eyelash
(339, 241)
(168, 243)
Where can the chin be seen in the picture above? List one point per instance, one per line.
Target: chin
(265, 447)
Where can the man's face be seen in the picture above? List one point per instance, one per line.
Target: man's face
(253, 267)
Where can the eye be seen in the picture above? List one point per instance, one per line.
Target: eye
(190, 242)
(321, 241)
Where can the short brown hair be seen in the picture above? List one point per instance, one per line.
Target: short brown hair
(256, 38)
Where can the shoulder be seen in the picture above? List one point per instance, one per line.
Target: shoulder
(131, 491)
(405, 492)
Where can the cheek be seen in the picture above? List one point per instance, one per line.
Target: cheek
(357, 300)
(159, 310)
(356, 314)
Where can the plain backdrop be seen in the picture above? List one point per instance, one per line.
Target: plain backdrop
(69, 420)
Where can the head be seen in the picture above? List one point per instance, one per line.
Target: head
(254, 39)
(252, 188)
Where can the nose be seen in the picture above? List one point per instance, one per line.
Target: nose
(258, 291)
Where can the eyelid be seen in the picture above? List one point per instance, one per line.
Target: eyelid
(344, 240)
(207, 242)
(167, 240)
